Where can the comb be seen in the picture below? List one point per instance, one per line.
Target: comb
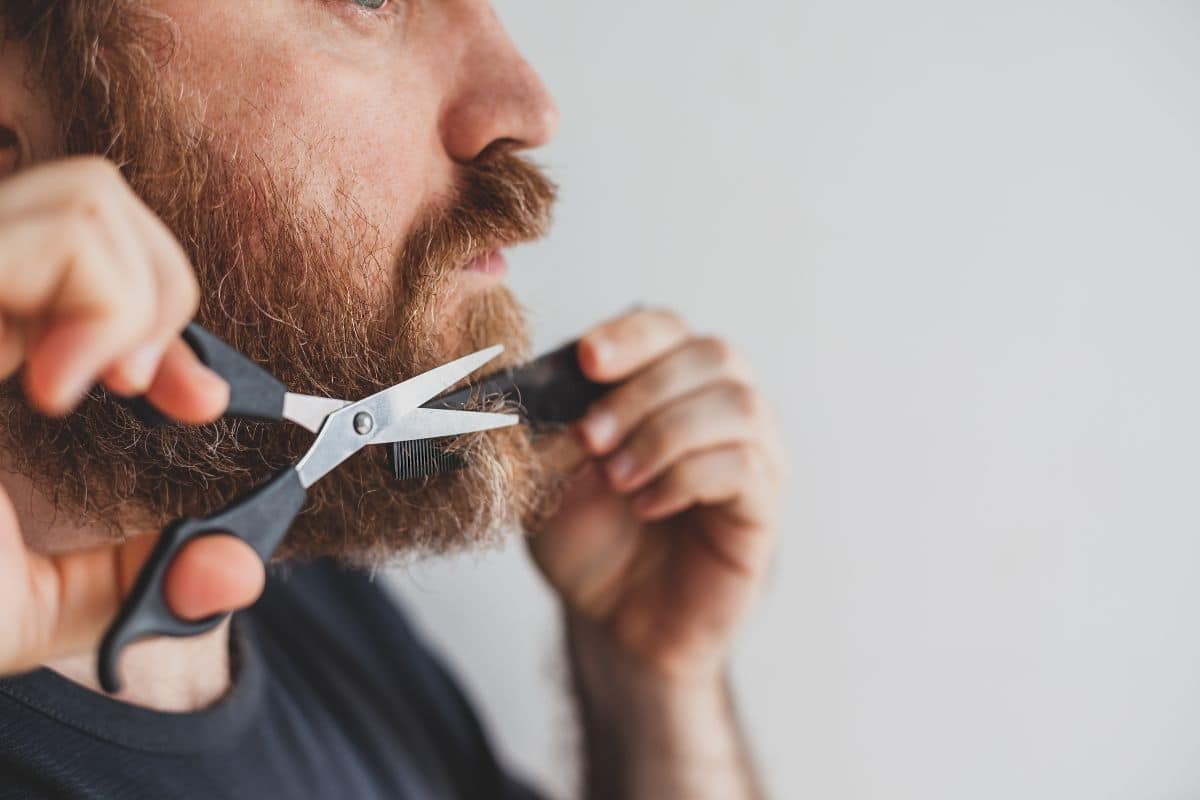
(547, 393)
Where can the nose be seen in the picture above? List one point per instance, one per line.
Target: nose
(497, 96)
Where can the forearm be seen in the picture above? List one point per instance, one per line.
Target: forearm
(646, 736)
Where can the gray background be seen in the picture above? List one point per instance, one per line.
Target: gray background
(959, 241)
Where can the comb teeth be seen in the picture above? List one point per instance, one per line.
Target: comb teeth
(548, 393)
(426, 458)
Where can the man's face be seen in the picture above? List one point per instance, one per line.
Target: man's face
(343, 177)
(370, 110)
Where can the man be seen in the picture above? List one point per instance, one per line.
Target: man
(329, 185)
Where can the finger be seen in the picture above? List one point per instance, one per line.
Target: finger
(12, 346)
(76, 595)
(617, 349)
(721, 413)
(186, 390)
(692, 365)
(730, 476)
(57, 184)
(92, 315)
(102, 204)
(70, 252)
(66, 361)
(213, 575)
(176, 299)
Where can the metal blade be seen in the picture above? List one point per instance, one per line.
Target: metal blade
(381, 417)
(412, 394)
(431, 423)
(310, 412)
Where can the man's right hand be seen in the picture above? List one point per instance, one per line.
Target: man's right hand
(94, 288)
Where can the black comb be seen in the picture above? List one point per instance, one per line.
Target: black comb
(547, 393)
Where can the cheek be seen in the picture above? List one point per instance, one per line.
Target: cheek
(359, 143)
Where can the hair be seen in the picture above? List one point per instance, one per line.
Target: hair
(90, 56)
(274, 285)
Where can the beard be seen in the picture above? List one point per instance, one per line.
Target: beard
(312, 296)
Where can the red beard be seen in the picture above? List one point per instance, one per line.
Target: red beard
(284, 285)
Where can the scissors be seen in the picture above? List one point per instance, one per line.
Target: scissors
(262, 517)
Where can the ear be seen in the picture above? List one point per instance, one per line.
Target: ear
(10, 149)
(25, 121)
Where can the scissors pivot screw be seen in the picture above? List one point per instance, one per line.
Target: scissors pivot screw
(364, 423)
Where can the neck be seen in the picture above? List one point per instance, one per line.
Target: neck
(164, 674)
(172, 675)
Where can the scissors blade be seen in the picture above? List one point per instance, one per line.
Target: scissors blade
(310, 412)
(436, 423)
(380, 417)
(406, 397)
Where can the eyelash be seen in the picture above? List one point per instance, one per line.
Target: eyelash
(386, 9)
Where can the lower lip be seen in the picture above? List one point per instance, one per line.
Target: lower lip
(489, 264)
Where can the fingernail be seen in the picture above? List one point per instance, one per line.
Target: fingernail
(621, 466)
(602, 350)
(140, 366)
(600, 428)
(71, 392)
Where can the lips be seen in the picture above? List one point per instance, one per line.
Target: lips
(491, 263)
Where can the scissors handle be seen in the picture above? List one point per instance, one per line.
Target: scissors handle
(260, 518)
(254, 393)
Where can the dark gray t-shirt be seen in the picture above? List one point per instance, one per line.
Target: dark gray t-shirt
(334, 697)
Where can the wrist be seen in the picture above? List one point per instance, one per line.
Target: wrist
(651, 733)
(610, 674)
(677, 713)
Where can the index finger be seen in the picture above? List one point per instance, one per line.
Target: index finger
(186, 390)
(624, 346)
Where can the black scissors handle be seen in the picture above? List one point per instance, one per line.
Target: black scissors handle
(260, 518)
(254, 393)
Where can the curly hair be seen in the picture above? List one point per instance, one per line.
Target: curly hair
(91, 57)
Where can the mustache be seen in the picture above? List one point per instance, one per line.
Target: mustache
(499, 199)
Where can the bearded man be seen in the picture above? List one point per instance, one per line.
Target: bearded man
(329, 185)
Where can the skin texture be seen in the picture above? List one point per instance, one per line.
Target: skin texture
(666, 530)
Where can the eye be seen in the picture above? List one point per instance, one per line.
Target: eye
(373, 5)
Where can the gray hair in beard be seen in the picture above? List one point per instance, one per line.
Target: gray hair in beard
(278, 283)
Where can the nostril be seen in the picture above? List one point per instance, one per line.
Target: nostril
(8, 139)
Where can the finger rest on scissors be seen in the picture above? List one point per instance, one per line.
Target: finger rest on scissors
(254, 393)
(260, 518)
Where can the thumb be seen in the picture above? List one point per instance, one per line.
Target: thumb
(76, 595)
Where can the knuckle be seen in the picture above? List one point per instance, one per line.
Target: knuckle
(677, 479)
(743, 461)
(744, 398)
(185, 293)
(95, 170)
(654, 441)
(726, 358)
(667, 317)
(654, 384)
(718, 351)
(98, 182)
(86, 205)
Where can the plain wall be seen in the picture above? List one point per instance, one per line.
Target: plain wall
(960, 242)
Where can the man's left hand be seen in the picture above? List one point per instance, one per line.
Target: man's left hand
(665, 534)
